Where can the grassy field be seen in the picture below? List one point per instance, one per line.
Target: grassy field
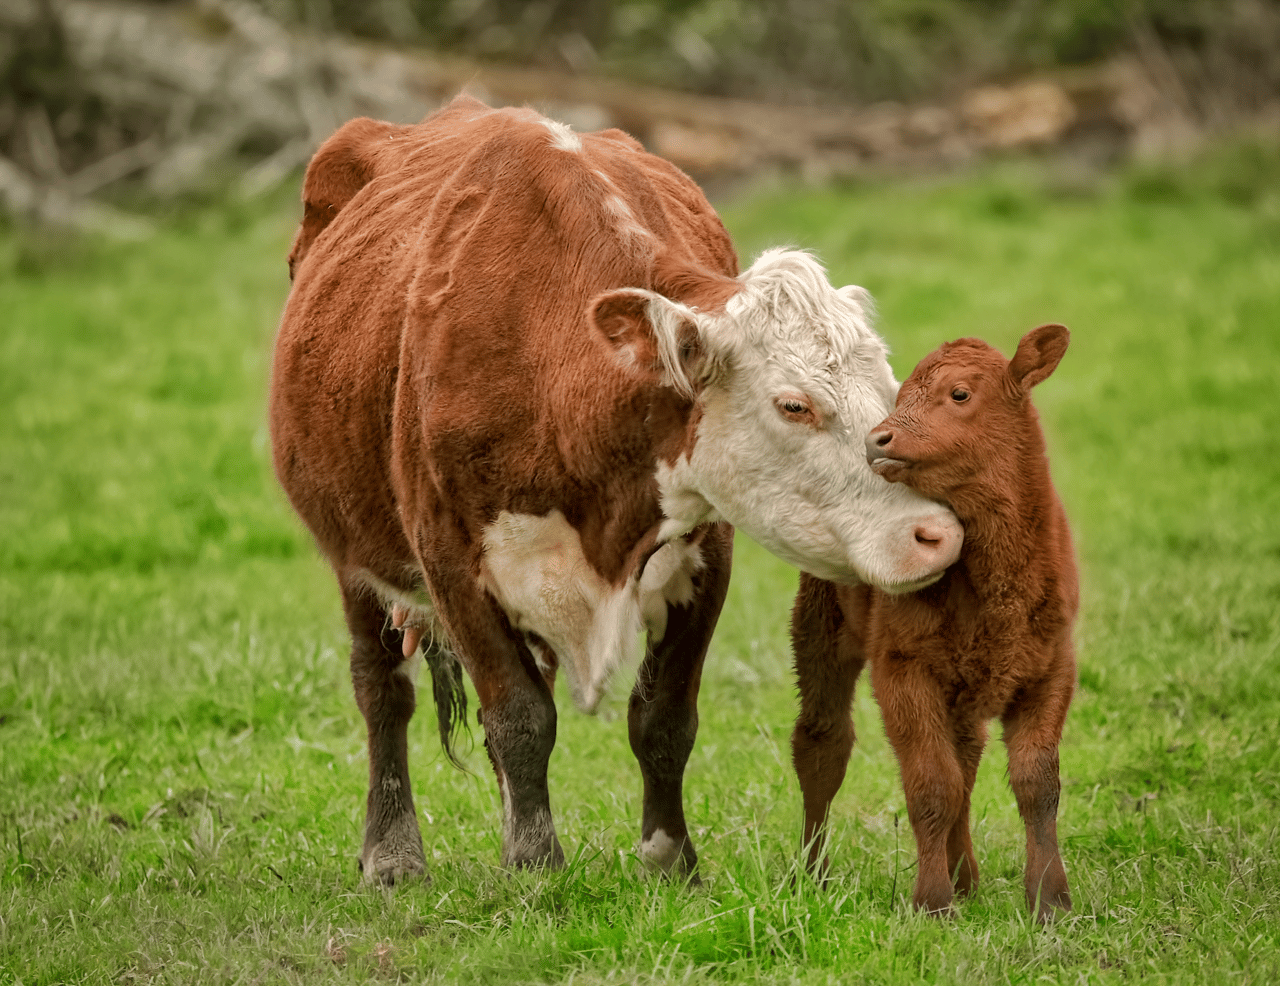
(182, 766)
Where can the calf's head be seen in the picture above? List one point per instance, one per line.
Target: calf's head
(964, 417)
(787, 376)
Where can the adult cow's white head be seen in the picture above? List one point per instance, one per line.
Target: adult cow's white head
(789, 377)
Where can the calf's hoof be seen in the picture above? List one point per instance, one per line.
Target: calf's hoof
(935, 899)
(819, 871)
(1049, 910)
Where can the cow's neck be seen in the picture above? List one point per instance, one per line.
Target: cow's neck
(612, 434)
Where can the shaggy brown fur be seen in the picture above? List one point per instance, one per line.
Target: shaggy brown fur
(991, 639)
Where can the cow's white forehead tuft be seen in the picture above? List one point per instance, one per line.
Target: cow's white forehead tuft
(787, 312)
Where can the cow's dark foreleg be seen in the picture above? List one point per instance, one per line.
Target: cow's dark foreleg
(662, 716)
(517, 712)
(384, 687)
(519, 719)
(826, 642)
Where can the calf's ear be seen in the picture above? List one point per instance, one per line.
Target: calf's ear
(1038, 355)
(653, 334)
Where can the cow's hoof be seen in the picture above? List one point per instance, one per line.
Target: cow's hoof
(545, 857)
(396, 856)
(671, 858)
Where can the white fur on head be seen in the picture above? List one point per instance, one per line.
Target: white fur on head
(803, 490)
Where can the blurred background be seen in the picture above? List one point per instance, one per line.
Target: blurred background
(181, 763)
(108, 106)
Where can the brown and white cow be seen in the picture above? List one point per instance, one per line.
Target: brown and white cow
(520, 393)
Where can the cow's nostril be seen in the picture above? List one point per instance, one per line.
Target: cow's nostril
(938, 542)
(882, 438)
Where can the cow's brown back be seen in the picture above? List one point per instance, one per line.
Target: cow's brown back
(416, 269)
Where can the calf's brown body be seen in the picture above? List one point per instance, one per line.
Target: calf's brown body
(991, 639)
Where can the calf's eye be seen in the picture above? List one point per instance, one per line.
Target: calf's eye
(793, 407)
(959, 395)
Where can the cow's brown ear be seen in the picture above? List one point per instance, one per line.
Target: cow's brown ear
(622, 318)
(1038, 355)
(343, 165)
(651, 333)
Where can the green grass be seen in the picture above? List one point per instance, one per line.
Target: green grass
(182, 766)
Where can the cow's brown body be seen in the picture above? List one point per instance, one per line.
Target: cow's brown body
(504, 350)
(389, 469)
(991, 639)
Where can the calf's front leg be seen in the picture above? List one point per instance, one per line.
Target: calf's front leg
(969, 740)
(915, 717)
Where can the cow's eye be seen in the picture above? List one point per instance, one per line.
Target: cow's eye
(959, 395)
(797, 409)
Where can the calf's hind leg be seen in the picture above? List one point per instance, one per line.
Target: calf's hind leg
(826, 627)
(384, 687)
(662, 713)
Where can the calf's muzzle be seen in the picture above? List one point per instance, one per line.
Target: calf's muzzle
(880, 454)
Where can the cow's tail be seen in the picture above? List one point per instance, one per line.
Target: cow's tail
(450, 695)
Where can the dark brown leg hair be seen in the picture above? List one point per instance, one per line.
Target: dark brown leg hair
(392, 843)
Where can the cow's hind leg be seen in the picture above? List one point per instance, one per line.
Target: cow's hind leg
(826, 642)
(662, 716)
(384, 685)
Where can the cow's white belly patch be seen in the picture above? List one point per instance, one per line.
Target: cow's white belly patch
(536, 570)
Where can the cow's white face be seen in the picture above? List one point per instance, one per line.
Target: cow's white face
(792, 380)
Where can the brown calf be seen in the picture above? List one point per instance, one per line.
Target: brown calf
(991, 638)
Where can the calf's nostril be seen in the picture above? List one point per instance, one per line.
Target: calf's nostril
(876, 444)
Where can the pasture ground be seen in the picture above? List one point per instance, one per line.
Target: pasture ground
(182, 766)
